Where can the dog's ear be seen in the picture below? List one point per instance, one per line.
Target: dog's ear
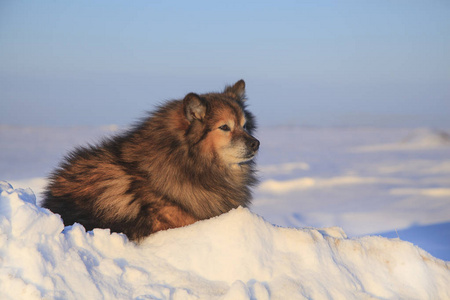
(194, 107)
(238, 89)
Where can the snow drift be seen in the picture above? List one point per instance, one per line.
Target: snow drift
(237, 255)
(419, 139)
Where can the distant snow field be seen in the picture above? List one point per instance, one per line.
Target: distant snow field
(290, 245)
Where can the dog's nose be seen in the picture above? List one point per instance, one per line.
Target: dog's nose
(254, 145)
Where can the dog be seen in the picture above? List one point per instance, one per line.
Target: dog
(189, 160)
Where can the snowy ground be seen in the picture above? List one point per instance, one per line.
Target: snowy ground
(235, 256)
(367, 181)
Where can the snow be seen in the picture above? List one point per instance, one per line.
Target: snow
(402, 182)
(237, 255)
(314, 181)
(420, 139)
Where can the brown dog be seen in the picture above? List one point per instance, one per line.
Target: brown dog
(189, 160)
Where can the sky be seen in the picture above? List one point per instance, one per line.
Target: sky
(308, 63)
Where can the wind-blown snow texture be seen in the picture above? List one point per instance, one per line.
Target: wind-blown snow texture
(236, 256)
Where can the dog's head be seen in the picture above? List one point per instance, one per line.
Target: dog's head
(220, 126)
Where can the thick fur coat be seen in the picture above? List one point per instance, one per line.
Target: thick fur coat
(189, 160)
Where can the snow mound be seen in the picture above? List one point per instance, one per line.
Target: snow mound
(424, 137)
(237, 255)
(419, 139)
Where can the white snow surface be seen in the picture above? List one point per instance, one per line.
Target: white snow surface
(237, 255)
(379, 181)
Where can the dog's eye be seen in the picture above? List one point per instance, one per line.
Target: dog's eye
(225, 127)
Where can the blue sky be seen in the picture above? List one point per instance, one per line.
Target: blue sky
(315, 63)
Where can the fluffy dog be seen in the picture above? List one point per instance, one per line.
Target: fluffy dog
(189, 160)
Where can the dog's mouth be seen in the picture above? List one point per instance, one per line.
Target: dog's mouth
(248, 157)
(251, 156)
(239, 156)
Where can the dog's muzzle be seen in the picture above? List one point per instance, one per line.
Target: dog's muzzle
(252, 145)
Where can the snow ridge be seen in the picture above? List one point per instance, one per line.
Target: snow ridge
(237, 255)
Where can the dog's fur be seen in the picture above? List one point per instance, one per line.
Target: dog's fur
(189, 160)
